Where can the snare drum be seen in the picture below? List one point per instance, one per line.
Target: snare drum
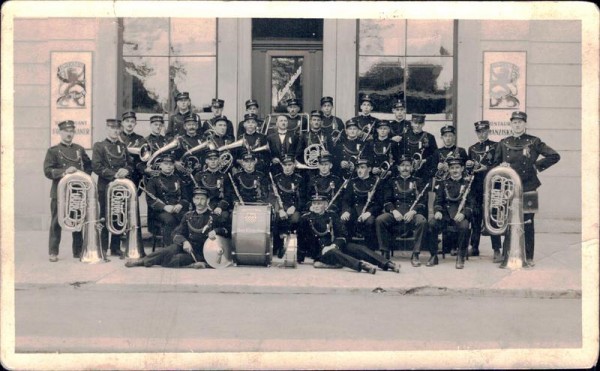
(251, 234)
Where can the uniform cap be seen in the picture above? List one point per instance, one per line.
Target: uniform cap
(127, 115)
(326, 100)
(251, 102)
(455, 160)
(68, 124)
(248, 156)
(287, 159)
(351, 123)
(319, 197)
(114, 123)
(363, 161)
(182, 95)
(365, 98)
(293, 102)
(381, 123)
(482, 125)
(250, 116)
(190, 118)
(325, 158)
(200, 191)
(156, 118)
(316, 113)
(448, 129)
(398, 104)
(212, 153)
(418, 118)
(518, 115)
(167, 158)
(217, 103)
(404, 158)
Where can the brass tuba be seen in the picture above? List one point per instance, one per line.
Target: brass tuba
(78, 212)
(121, 215)
(503, 209)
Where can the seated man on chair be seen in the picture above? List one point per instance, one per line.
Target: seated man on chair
(405, 205)
(188, 241)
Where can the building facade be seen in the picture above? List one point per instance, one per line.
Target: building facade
(443, 68)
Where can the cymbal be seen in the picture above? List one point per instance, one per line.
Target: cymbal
(217, 252)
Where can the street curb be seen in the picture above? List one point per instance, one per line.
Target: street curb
(310, 290)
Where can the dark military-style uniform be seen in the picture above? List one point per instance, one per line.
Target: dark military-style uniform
(107, 158)
(354, 200)
(442, 154)
(220, 194)
(348, 150)
(177, 121)
(423, 143)
(58, 159)
(191, 163)
(167, 189)
(326, 185)
(399, 127)
(251, 142)
(380, 151)
(309, 138)
(522, 154)
(296, 123)
(209, 124)
(481, 153)
(400, 194)
(253, 187)
(332, 123)
(134, 140)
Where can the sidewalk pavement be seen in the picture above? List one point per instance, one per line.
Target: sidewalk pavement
(557, 273)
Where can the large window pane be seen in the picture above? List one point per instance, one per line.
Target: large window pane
(383, 78)
(145, 36)
(286, 81)
(196, 75)
(145, 84)
(193, 36)
(429, 87)
(430, 37)
(382, 37)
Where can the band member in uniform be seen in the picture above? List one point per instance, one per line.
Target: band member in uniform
(177, 118)
(438, 163)
(450, 195)
(482, 154)
(110, 161)
(132, 139)
(522, 151)
(216, 107)
(404, 211)
(399, 125)
(358, 212)
(314, 136)
(331, 123)
(192, 164)
(348, 149)
(364, 120)
(62, 159)
(420, 145)
(219, 195)
(292, 191)
(322, 236)
(295, 121)
(251, 107)
(326, 183)
(281, 143)
(155, 141)
(165, 198)
(252, 185)
(252, 140)
(188, 238)
(383, 148)
(219, 136)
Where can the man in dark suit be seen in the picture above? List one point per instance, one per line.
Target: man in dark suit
(281, 143)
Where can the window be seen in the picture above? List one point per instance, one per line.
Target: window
(411, 60)
(164, 56)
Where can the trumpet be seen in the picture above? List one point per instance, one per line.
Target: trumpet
(121, 215)
(174, 144)
(77, 209)
(144, 151)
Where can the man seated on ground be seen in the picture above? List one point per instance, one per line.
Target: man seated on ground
(322, 236)
(188, 239)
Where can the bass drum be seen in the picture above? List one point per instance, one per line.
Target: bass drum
(251, 234)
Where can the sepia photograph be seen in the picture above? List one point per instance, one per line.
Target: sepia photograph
(299, 185)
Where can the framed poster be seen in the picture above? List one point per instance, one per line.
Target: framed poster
(71, 95)
(504, 89)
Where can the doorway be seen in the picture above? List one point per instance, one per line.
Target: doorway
(287, 62)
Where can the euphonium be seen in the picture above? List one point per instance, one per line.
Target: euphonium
(121, 215)
(503, 209)
(238, 143)
(143, 151)
(174, 144)
(207, 144)
(312, 154)
(78, 212)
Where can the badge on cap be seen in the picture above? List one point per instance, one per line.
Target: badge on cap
(293, 102)
(251, 102)
(447, 129)
(250, 116)
(200, 191)
(366, 98)
(114, 123)
(182, 95)
(326, 100)
(217, 103)
(128, 114)
(518, 115)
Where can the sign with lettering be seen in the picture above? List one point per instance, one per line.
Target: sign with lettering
(71, 95)
(504, 89)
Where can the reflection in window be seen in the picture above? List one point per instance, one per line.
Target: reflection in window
(286, 81)
(165, 56)
(410, 60)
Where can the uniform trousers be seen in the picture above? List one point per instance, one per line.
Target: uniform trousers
(168, 222)
(529, 237)
(366, 228)
(362, 252)
(387, 227)
(115, 241)
(462, 231)
(335, 256)
(284, 226)
(173, 256)
(56, 231)
(476, 228)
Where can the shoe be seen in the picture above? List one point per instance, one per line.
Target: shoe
(320, 265)
(197, 265)
(474, 252)
(453, 252)
(118, 253)
(460, 263)
(414, 261)
(134, 263)
(530, 263)
(497, 256)
(369, 268)
(392, 267)
(433, 260)
(53, 258)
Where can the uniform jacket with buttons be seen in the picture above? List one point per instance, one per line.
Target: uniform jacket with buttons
(211, 123)
(62, 156)
(319, 230)
(449, 195)
(177, 121)
(292, 190)
(253, 187)
(194, 228)
(483, 153)
(356, 194)
(400, 194)
(167, 190)
(107, 158)
(219, 189)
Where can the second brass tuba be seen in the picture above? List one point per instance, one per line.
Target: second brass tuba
(121, 215)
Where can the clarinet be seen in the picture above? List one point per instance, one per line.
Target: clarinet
(276, 192)
(235, 189)
(414, 204)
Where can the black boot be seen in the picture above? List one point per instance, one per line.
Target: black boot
(460, 262)
(453, 252)
(369, 268)
(497, 256)
(134, 263)
(414, 261)
(433, 260)
(474, 252)
(390, 265)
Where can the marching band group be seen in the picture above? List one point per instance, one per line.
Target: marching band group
(347, 191)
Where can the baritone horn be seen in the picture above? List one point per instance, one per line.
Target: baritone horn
(77, 206)
(174, 144)
(503, 210)
(262, 148)
(144, 152)
(238, 143)
(121, 215)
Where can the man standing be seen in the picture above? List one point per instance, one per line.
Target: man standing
(216, 107)
(62, 159)
(331, 123)
(177, 118)
(295, 121)
(419, 145)
(253, 140)
(132, 139)
(110, 161)
(399, 125)
(219, 195)
(521, 151)
(188, 166)
(364, 120)
(281, 143)
(251, 107)
(252, 185)
(482, 154)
